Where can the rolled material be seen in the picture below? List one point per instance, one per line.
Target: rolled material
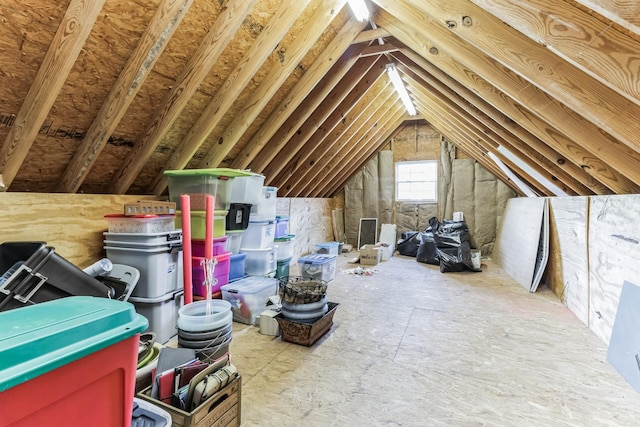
(185, 202)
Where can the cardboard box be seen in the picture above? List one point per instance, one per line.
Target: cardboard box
(370, 255)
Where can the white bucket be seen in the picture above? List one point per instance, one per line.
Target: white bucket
(475, 258)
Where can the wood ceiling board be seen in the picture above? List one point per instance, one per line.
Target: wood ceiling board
(186, 84)
(516, 245)
(318, 22)
(542, 116)
(369, 35)
(484, 133)
(531, 147)
(218, 106)
(62, 54)
(352, 86)
(353, 155)
(624, 13)
(588, 43)
(329, 130)
(332, 55)
(166, 19)
(341, 136)
(557, 78)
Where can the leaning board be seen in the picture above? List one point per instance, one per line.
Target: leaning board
(516, 247)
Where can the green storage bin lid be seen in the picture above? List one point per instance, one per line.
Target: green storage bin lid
(228, 172)
(286, 238)
(42, 337)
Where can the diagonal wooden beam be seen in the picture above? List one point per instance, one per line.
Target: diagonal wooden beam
(357, 154)
(491, 128)
(207, 54)
(58, 61)
(378, 49)
(156, 36)
(362, 117)
(323, 15)
(323, 63)
(525, 141)
(594, 46)
(624, 13)
(483, 78)
(367, 36)
(222, 101)
(553, 76)
(479, 140)
(320, 103)
(319, 131)
(462, 141)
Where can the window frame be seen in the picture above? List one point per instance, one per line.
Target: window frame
(398, 181)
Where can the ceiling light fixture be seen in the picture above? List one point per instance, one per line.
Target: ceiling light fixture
(402, 91)
(359, 9)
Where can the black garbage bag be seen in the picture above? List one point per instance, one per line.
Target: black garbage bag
(428, 251)
(454, 248)
(409, 245)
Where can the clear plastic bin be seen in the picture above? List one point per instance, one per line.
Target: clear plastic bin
(318, 266)
(119, 223)
(259, 235)
(247, 189)
(260, 262)
(248, 297)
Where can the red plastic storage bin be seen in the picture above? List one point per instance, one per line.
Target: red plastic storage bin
(219, 246)
(71, 361)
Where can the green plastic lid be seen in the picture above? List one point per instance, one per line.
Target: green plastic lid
(40, 338)
(285, 238)
(228, 172)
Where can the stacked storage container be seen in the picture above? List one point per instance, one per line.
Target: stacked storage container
(158, 257)
(284, 240)
(219, 183)
(258, 239)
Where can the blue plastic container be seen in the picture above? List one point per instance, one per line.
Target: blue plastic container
(236, 270)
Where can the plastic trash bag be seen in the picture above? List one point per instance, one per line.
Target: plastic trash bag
(409, 245)
(453, 245)
(428, 251)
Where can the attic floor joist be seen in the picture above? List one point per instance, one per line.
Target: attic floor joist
(113, 95)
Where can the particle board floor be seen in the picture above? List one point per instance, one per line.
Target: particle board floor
(411, 346)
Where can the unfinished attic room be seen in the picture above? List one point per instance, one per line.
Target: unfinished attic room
(319, 213)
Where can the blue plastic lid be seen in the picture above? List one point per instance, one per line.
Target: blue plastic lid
(40, 338)
(328, 244)
(317, 259)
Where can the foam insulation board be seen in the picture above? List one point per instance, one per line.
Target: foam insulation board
(614, 251)
(516, 248)
(624, 347)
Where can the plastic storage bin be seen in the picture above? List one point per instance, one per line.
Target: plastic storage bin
(219, 246)
(199, 183)
(248, 297)
(282, 226)
(119, 223)
(318, 266)
(31, 272)
(234, 240)
(247, 189)
(144, 239)
(330, 248)
(259, 235)
(285, 246)
(260, 262)
(238, 217)
(160, 268)
(220, 273)
(265, 209)
(199, 223)
(69, 361)
(146, 414)
(282, 267)
(237, 266)
(161, 312)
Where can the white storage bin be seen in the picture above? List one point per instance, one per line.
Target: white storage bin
(318, 266)
(161, 312)
(144, 239)
(247, 189)
(260, 262)
(234, 238)
(265, 209)
(248, 297)
(118, 223)
(258, 235)
(285, 246)
(160, 268)
(331, 248)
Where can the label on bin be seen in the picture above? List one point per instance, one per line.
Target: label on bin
(171, 267)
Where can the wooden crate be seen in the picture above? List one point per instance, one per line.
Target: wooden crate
(305, 332)
(220, 410)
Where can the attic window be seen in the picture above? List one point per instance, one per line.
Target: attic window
(417, 181)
